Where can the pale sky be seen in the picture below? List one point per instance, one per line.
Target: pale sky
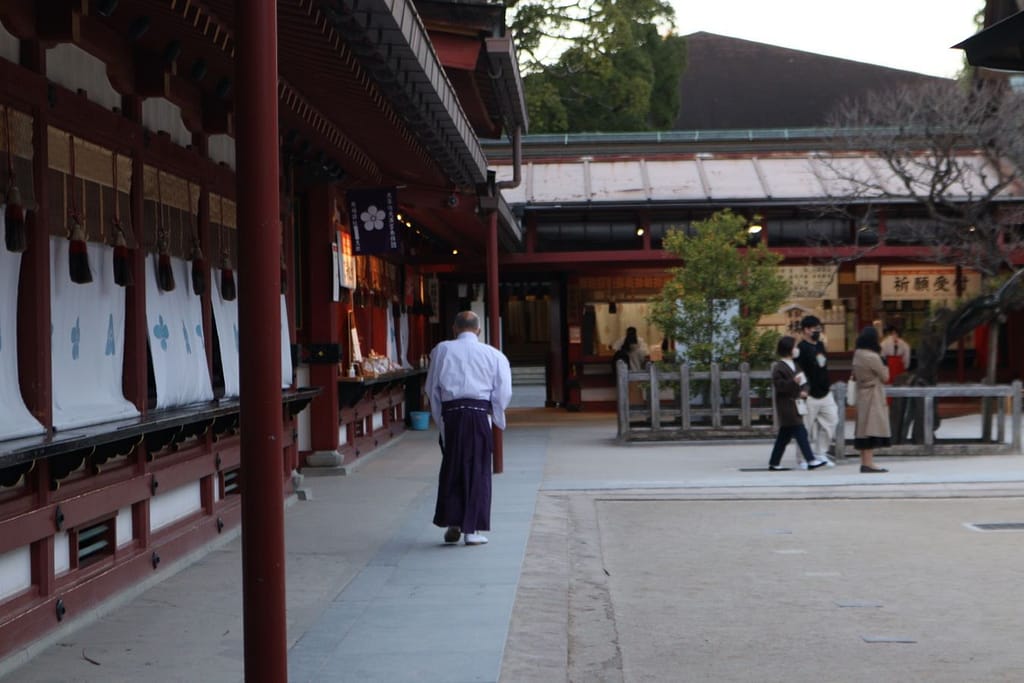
(915, 35)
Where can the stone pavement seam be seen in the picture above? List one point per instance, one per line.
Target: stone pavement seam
(537, 646)
(594, 652)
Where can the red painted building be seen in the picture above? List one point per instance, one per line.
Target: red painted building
(595, 208)
(188, 173)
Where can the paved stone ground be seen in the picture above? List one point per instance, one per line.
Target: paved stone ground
(670, 588)
(665, 562)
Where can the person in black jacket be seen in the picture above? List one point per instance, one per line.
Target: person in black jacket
(822, 412)
(790, 391)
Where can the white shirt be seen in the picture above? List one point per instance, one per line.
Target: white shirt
(895, 346)
(637, 355)
(465, 367)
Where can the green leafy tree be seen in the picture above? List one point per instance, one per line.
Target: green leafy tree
(712, 303)
(618, 68)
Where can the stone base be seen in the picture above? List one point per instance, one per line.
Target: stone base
(324, 459)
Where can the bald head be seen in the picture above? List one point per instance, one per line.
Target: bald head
(466, 321)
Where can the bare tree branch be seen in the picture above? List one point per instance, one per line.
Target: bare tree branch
(954, 152)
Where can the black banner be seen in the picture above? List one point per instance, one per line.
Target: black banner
(372, 216)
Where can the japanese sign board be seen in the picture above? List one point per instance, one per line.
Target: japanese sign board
(928, 283)
(346, 261)
(811, 282)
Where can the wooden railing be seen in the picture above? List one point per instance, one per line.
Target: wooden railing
(715, 410)
(661, 404)
(925, 412)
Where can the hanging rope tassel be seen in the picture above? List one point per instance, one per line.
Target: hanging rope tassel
(14, 219)
(14, 213)
(227, 278)
(198, 269)
(164, 270)
(78, 252)
(197, 258)
(284, 276)
(123, 275)
(227, 273)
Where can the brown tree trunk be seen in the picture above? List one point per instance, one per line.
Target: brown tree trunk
(990, 376)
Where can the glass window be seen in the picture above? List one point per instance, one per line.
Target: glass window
(803, 232)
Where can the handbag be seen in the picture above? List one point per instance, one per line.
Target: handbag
(851, 392)
(801, 406)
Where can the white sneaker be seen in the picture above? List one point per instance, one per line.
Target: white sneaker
(829, 462)
(816, 463)
(475, 539)
(803, 464)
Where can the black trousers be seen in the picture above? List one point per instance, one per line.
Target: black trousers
(785, 435)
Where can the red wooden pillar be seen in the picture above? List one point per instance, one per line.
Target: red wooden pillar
(494, 318)
(135, 369)
(136, 375)
(34, 349)
(322, 323)
(259, 325)
(34, 367)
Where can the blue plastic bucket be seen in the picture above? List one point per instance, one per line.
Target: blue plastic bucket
(420, 419)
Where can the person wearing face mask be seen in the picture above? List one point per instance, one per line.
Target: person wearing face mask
(822, 412)
(790, 400)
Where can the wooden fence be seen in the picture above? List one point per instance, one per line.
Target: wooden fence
(925, 411)
(659, 405)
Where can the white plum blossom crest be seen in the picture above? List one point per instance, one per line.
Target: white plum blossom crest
(372, 218)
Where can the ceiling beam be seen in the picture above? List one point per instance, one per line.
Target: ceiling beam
(61, 21)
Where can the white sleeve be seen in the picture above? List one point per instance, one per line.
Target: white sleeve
(432, 387)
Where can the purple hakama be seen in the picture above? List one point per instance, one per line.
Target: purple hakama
(464, 483)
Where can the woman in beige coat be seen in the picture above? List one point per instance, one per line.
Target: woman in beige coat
(871, 374)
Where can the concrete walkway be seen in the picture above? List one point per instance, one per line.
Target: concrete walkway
(638, 563)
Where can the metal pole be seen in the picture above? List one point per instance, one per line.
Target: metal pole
(494, 319)
(259, 324)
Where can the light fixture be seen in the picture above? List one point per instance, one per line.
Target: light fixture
(455, 252)
(755, 229)
(398, 216)
(640, 231)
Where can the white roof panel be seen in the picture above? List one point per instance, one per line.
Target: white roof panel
(675, 181)
(778, 178)
(617, 181)
(733, 179)
(549, 183)
(790, 178)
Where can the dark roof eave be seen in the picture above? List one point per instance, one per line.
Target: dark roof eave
(508, 82)
(997, 47)
(392, 44)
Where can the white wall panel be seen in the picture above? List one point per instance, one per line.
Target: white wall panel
(15, 571)
(170, 506)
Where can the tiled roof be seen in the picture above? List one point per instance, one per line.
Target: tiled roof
(733, 83)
